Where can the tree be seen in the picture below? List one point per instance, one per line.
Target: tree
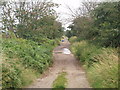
(83, 22)
(107, 23)
(36, 16)
(98, 23)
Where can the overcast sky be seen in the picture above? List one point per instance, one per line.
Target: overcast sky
(64, 11)
(74, 4)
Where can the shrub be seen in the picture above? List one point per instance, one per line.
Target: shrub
(24, 56)
(73, 39)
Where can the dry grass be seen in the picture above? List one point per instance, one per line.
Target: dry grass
(105, 73)
(101, 64)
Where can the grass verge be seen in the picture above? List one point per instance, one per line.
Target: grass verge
(101, 64)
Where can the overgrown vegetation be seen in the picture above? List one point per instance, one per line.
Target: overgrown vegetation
(101, 64)
(98, 23)
(85, 52)
(105, 73)
(95, 34)
(30, 32)
(24, 58)
(60, 82)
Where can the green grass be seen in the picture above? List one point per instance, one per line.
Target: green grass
(85, 52)
(101, 64)
(105, 74)
(60, 82)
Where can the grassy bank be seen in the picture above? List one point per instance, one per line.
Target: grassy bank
(23, 61)
(101, 64)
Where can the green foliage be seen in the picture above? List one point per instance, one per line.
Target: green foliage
(101, 27)
(73, 39)
(81, 27)
(106, 15)
(100, 63)
(38, 32)
(60, 82)
(15, 75)
(33, 21)
(10, 74)
(30, 53)
(105, 74)
(22, 56)
(107, 23)
(46, 27)
(85, 52)
(95, 32)
(69, 33)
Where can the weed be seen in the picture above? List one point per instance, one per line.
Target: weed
(101, 64)
(60, 82)
(23, 60)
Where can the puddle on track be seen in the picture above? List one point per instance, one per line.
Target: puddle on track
(66, 51)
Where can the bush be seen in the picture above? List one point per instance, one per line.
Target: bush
(73, 39)
(24, 56)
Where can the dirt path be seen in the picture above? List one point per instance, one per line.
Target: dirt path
(63, 62)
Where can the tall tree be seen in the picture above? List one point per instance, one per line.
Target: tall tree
(36, 16)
